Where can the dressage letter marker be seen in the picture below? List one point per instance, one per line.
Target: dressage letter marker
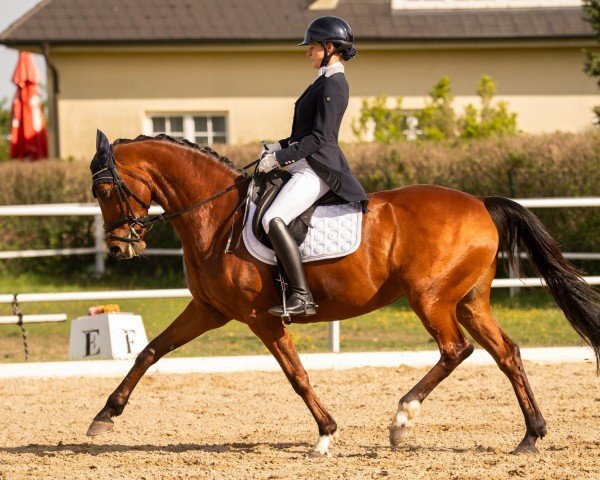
(109, 335)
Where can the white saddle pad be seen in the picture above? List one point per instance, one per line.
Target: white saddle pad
(336, 232)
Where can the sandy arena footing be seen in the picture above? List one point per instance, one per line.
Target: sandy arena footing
(251, 425)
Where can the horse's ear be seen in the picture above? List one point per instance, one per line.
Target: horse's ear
(102, 143)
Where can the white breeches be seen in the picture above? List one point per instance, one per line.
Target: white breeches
(300, 192)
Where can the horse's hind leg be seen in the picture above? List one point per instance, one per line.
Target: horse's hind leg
(439, 319)
(279, 342)
(196, 319)
(474, 313)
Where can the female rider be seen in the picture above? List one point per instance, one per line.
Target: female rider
(317, 162)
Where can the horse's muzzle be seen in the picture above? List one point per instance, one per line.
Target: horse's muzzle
(126, 250)
(126, 246)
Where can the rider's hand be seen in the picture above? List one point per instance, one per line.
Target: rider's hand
(270, 147)
(267, 163)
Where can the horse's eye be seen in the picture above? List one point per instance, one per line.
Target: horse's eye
(104, 193)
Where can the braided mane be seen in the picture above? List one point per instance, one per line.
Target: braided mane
(182, 143)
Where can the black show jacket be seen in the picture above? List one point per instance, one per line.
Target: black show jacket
(318, 114)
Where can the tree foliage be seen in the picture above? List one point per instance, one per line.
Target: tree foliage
(490, 120)
(385, 123)
(591, 13)
(438, 119)
(5, 116)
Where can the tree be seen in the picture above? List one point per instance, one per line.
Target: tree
(490, 120)
(591, 13)
(437, 119)
(376, 119)
(5, 116)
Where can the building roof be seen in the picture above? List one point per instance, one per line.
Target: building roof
(76, 22)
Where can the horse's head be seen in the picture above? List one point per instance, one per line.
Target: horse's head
(124, 204)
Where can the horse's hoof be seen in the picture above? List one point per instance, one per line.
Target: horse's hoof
(316, 454)
(402, 422)
(321, 449)
(398, 434)
(100, 426)
(525, 449)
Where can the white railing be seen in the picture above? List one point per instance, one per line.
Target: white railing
(99, 248)
(334, 327)
(559, 202)
(72, 209)
(50, 317)
(185, 293)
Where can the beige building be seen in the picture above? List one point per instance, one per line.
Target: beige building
(229, 71)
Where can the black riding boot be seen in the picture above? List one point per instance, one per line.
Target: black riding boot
(300, 301)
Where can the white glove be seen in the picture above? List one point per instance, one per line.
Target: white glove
(270, 147)
(267, 163)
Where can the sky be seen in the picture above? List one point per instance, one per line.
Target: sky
(11, 10)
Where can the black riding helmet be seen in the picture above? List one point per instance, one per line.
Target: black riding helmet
(330, 29)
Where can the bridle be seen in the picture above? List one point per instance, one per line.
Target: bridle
(110, 174)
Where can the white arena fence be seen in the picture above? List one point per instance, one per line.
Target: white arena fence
(99, 250)
(334, 327)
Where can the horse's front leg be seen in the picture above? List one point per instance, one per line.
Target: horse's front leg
(196, 319)
(277, 339)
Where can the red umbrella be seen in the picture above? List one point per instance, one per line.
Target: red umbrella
(28, 130)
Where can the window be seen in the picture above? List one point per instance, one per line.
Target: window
(172, 126)
(455, 4)
(203, 129)
(209, 129)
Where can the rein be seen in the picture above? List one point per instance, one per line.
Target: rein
(124, 192)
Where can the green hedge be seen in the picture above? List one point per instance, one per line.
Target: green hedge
(527, 166)
(524, 166)
(557, 165)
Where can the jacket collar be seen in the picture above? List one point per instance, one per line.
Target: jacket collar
(329, 70)
(317, 82)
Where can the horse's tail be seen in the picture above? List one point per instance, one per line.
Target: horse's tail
(518, 227)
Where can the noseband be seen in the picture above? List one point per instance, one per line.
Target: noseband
(110, 174)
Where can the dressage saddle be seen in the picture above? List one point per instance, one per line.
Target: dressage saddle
(266, 186)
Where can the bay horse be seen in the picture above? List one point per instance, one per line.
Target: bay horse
(436, 246)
